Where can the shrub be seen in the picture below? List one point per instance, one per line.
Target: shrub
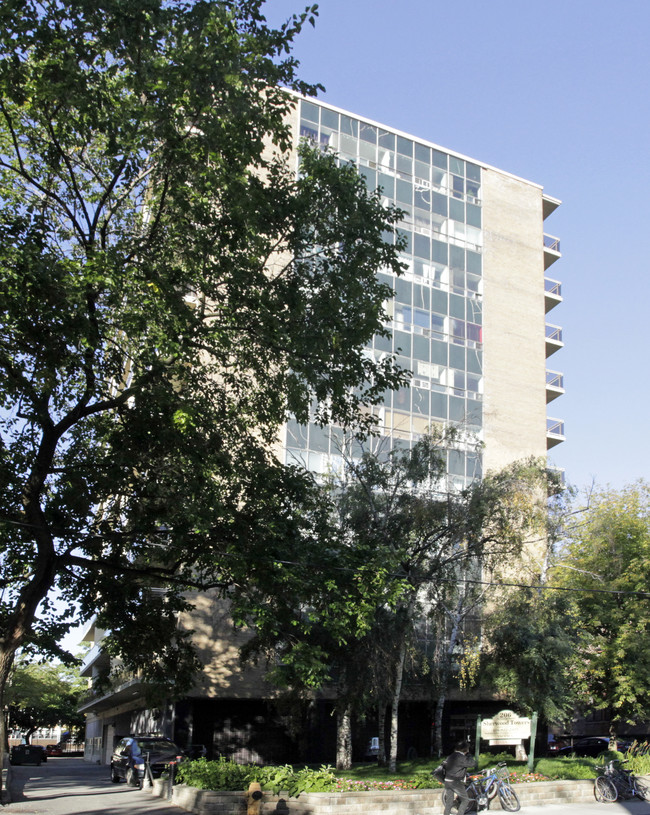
(638, 758)
(293, 782)
(228, 776)
(215, 775)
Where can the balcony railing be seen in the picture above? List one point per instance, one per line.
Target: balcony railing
(109, 685)
(553, 333)
(554, 379)
(553, 287)
(552, 243)
(554, 432)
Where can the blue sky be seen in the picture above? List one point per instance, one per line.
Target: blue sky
(555, 92)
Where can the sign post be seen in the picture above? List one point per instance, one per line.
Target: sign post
(477, 746)
(533, 736)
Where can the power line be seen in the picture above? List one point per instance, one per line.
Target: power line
(271, 561)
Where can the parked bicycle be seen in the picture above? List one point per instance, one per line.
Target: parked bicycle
(483, 788)
(615, 782)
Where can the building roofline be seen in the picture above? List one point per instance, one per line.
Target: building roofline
(428, 143)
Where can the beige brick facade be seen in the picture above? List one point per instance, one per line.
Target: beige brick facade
(514, 357)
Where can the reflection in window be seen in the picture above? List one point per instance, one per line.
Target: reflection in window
(438, 324)
(458, 329)
(440, 195)
(307, 132)
(458, 186)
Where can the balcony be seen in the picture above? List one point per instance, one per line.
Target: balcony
(552, 293)
(554, 385)
(94, 658)
(553, 339)
(121, 688)
(549, 205)
(554, 432)
(551, 250)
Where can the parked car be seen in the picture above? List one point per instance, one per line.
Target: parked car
(130, 754)
(53, 749)
(592, 746)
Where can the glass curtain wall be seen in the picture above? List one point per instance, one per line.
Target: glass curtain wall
(436, 313)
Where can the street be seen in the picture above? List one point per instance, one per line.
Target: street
(70, 786)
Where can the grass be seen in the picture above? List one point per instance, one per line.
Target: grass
(554, 768)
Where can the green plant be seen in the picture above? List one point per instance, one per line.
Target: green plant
(215, 775)
(226, 775)
(638, 758)
(286, 779)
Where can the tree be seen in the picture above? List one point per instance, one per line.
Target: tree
(43, 696)
(401, 543)
(533, 632)
(605, 562)
(170, 291)
(533, 637)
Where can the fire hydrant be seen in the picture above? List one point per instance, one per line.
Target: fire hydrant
(253, 799)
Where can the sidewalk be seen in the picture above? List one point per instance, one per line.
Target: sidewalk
(634, 807)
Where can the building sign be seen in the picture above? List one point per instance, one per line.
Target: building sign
(506, 727)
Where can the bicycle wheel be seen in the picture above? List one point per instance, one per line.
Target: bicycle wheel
(475, 799)
(641, 790)
(508, 798)
(604, 790)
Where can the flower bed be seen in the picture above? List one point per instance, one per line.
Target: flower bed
(354, 785)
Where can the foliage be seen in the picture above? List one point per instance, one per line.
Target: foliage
(638, 758)
(416, 783)
(214, 775)
(43, 696)
(169, 293)
(392, 531)
(604, 562)
(532, 638)
(227, 775)
(397, 545)
(293, 782)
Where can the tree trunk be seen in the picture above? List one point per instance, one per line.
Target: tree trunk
(343, 739)
(6, 662)
(440, 707)
(394, 714)
(445, 670)
(381, 728)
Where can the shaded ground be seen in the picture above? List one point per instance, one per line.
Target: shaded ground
(70, 786)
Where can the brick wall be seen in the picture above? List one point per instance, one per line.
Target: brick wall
(408, 802)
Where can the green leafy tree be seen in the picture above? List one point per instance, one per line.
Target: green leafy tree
(605, 563)
(395, 538)
(533, 637)
(44, 696)
(170, 292)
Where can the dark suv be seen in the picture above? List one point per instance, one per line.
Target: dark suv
(131, 753)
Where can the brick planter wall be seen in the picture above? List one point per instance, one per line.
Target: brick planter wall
(406, 802)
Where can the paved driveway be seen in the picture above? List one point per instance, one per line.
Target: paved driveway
(70, 786)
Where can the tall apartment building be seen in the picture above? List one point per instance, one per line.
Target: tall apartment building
(469, 312)
(469, 320)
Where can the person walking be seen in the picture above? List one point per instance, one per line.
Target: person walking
(456, 766)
